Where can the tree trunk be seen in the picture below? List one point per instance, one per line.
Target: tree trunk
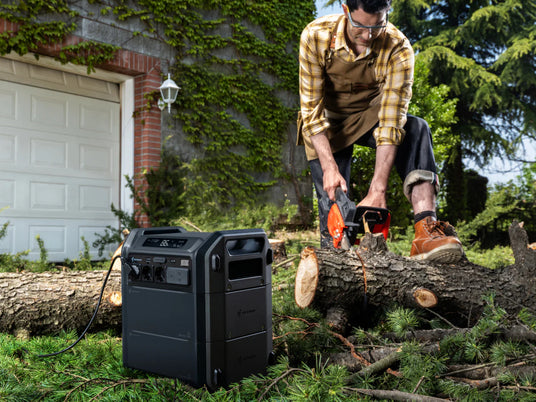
(356, 281)
(455, 186)
(44, 303)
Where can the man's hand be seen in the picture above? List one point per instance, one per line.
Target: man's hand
(374, 199)
(377, 194)
(332, 180)
(332, 176)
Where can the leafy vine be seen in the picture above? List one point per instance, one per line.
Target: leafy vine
(236, 62)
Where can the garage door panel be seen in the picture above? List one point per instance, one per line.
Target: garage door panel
(7, 243)
(96, 158)
(7, 193)
(48, 196)
(59, 159)
(8, 103)
(45, 153)
(54, 238)
(95, 198)
(49, 111)
(7, 148)
(97, 119)
(46, 76)
(105, 90)
(7, 67)
(90, 233)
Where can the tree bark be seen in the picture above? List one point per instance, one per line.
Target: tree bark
(45, 303)
(357, 281)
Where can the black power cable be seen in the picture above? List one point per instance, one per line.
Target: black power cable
(92, 318)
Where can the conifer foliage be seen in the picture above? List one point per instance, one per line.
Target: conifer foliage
(485, 51)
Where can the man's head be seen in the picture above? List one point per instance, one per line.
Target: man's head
(367, 19)
(369, 6)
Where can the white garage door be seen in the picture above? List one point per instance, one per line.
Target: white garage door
(59, 159)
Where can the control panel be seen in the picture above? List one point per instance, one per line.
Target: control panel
(173, 270)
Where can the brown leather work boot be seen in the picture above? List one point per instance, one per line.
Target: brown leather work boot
(435, 241)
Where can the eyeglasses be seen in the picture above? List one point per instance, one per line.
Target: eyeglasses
(373, 29)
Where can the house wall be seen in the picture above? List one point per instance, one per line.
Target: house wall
(146, 60)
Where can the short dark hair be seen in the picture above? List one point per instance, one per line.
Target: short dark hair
(369, 6)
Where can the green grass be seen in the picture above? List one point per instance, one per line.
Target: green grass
(93, 369)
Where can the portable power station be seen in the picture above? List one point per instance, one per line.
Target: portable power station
(197, 306)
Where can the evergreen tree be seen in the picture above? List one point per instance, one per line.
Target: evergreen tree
(485, 51)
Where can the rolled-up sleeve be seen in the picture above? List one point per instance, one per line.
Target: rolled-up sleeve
(311, 58)
(396, 95)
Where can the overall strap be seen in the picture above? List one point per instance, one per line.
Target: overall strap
(331, 50)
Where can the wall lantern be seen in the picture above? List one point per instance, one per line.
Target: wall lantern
(169, 90)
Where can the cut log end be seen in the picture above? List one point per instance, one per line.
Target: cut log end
(117, 261)
(425, 298)
(373, 242)
(306, 278)
(278, 249)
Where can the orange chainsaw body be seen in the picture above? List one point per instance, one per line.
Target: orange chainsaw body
(346, 220)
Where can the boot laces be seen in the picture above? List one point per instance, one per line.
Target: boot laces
(437, 228)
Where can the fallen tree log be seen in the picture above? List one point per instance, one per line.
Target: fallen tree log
(351, 284)
(46, 303)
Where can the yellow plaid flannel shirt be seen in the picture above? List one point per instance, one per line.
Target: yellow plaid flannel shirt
(393, 69)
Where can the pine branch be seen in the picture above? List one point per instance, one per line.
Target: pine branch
(275, 381)
(395, 395)
(375, 367)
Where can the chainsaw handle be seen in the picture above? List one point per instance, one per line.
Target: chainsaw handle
(324, 204)
(340, 195)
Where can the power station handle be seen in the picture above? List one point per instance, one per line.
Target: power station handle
(216, 263)
(163, 230)
(269, 256)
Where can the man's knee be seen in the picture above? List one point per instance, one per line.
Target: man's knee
(415, 153)
(417, 127)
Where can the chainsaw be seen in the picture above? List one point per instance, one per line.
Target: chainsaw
(346, 220)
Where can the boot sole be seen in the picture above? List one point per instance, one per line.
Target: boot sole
(446, 254)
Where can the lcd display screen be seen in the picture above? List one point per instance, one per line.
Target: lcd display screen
(162, 242)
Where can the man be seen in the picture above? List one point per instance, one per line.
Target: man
(356, 73)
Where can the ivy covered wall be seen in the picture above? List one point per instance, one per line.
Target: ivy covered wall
(236, 63)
